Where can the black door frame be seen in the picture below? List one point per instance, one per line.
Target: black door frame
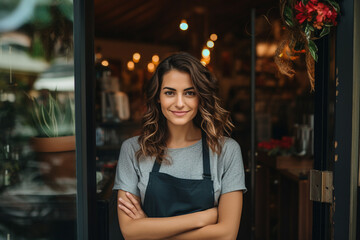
(84, 118)
(347, 121)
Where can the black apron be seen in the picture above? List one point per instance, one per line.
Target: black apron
(167, 196)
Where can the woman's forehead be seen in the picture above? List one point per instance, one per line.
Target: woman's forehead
(176, 79)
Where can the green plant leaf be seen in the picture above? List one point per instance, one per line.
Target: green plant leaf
(313, 50)
(52, 117)
(288, 16)
(308, 30)
(334, 4)
(325, 31)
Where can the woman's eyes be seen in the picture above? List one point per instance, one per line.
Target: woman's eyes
(191, 93)
(188, 93)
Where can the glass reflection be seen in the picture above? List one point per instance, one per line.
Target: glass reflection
(37, 120)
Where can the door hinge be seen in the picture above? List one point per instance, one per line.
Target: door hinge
(321, 186)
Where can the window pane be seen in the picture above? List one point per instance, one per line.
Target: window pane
(37, 120)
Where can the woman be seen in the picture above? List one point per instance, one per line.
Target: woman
(181, 178)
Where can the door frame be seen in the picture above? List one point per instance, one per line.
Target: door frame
(84, 118)
(346, 122)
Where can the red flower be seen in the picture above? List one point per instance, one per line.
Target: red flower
(303, 14)
(332, 15)
(315, 12)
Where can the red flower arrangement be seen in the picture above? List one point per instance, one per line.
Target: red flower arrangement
(277, 147)
(306, 21)
(316, 13)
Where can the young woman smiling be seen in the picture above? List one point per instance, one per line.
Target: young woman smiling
(182, 178)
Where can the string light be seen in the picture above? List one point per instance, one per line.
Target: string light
(155, 59)
(205, 52)
(213, 37)
(136, 57)
(131, 65)
(183, 25)
(104, 63)
(210, 44)
(151, 67)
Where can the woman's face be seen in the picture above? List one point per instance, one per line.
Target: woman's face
(178, 99)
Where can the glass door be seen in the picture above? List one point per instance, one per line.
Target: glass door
(37, 120)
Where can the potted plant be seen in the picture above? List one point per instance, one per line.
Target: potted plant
(54, 121)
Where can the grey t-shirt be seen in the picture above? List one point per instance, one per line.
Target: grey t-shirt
(227, 170)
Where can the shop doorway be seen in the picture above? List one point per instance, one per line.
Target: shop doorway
(130, 37)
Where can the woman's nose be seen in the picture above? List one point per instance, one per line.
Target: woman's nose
(179, 101)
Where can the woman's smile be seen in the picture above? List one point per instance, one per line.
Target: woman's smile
(179, 113)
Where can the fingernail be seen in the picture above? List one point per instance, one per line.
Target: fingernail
(127, 193)
(120, 199)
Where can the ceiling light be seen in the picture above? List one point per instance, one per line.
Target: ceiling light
(213, 37)
(183, 25)
(130, 65)
(205, 52)
(105, 63)
(136, 57)
(210, 44)
(155, 59)
(151, 67)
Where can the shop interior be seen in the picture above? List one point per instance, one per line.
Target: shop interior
(38, 187)
(132, 37)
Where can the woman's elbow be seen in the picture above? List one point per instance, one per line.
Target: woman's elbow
(227, 233)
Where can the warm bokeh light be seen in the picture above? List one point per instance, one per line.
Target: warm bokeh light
(105, 63)
(136, 57)
(98, 55)
(131, 65)
(183, 25)
(205, 52)
(213, 37)
(265, 49)
(203, 62)
(151, 67)
(155, 59)
(210, 44)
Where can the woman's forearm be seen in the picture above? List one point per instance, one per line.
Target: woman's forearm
(162, 228)
(210, 232)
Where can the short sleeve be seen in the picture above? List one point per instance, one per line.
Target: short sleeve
(126, 177)
(233, 177)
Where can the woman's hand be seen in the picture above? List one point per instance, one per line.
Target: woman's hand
(131, 207)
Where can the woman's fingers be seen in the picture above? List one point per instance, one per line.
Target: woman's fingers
(134, 201)
(127, 211)
(129, 206)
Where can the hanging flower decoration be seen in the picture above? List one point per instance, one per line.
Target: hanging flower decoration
(275, 147)
(306, 20)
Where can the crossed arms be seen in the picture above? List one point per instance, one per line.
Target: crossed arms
(216, 223)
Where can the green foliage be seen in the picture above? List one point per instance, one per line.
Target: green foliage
(52, 118)
(334, 4)
(288, 16)
(313, 50)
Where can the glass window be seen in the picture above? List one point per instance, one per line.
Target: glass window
(37, 120)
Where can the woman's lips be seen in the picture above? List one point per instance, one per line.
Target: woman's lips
(179, 113)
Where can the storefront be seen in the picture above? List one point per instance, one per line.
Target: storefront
(64, 113)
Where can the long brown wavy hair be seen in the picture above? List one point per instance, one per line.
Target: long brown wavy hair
(211, 117)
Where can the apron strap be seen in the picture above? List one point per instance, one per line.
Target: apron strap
(156, 167)
(206, 159)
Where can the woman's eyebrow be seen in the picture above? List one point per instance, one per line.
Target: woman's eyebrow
(173, 89)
